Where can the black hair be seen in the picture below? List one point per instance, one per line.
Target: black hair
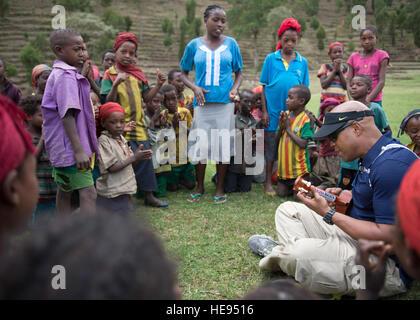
(412, 114)
(168, 88)
(172, 72)
(284, 289)
(211, 8)
(31, 104)
(61, 37)
(370, 28)
(302, 92)
(105, 256)
(105, 52)
(366, 79)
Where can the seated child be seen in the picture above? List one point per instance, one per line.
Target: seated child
(184, 100)
(40, 74)
(183, 172)
(236, 179)
(46, 206)
(327, 164)
(292, 140)
(117, 181)
(18, 185)
(333, 75)
(411, 126)
(7, 88)
(159, 130)
(69, 123)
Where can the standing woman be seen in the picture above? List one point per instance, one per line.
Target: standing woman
(214, 57)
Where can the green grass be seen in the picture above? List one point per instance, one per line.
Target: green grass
(209, 243)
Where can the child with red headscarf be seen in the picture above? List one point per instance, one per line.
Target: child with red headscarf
(126, 84)
(18, 183)
(117, 181)
(282, 70)
(333, 75)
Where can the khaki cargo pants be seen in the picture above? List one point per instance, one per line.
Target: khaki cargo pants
(318, 255)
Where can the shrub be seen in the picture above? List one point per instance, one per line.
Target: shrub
(315, 22)
(30, 57)
(321, 44)
(106, 3)
(75, 5)
(11, 71)
(311, 7)
(96, 34)
(320, 34)
(4, 7)
(114, 19)
(128, 23)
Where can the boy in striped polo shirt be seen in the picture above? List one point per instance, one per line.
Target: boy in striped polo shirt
(292, 139)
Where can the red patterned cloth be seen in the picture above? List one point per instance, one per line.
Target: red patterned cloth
(15, 141)
(409, 206)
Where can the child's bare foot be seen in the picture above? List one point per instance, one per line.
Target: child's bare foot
(268, 189)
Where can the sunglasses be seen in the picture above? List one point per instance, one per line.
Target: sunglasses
(334, 136)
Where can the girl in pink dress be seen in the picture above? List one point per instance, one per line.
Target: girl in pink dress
(371, 62)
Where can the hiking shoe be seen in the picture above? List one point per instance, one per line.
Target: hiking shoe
(261, 244)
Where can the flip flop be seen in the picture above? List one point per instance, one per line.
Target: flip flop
(194, 197)
(270, 193)
(219, 200)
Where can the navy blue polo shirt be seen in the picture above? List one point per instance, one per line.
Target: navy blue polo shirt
(378, 181)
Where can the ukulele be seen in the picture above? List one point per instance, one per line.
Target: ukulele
(341, 202)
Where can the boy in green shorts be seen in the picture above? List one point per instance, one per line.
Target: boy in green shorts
(69, 124)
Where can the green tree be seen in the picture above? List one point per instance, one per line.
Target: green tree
(97, 35)
(4, 7)
(168, 30)
(113, 18)
(247, 18)
(30, 57)
(128, 23)
(189, 26)
(321, 34)
(311, 7)
(75, 5)
(315, 23)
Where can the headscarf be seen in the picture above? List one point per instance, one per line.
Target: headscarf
(325, 104)
(106, 109)
(14, 141)
(335, 44)
(409, 206)
(136, 72)
(287, 24)
(36, 71)
(257, 89)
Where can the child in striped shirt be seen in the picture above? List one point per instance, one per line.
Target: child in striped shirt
(292, 140)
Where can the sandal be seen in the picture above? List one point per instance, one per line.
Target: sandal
(219, 200)
(194, 197)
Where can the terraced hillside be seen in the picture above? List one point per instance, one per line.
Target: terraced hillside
(27, 18)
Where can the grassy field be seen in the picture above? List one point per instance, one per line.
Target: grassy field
(209, 243)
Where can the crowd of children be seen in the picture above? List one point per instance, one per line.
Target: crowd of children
(95, 130)
(108, 135)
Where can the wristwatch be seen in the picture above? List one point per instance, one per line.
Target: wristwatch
(328, 216)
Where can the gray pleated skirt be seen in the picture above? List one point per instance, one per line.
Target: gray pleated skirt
(212, 133)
